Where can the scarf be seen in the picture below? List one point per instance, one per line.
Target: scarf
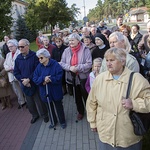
(13, 53)
(74, 59)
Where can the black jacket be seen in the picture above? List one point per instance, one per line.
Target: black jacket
(134, 42)
(5, 50)
(57, 52)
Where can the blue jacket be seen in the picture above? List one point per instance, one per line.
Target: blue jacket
(24, 68)
(54, 70)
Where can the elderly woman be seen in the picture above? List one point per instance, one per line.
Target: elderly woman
(77, 62)
(88, 43)
(9, 67)
(49, 73)
(108, 110)
(118, 40)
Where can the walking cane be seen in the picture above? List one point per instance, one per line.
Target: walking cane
(74, 84)
(50, 111)
(82, 89)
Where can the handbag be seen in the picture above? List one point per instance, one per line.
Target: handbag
(140, 121)
(3, 82)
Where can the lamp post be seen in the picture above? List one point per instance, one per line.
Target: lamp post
(84, 8)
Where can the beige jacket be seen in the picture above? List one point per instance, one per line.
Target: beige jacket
(106, 113)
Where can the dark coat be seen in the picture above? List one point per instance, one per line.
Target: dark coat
(24, 68)
(99, 52)
(5, 50)
(49, 48)
(54, 70)
(134, 42)
(57, 52)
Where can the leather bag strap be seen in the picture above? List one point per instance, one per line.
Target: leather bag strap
(129, 85)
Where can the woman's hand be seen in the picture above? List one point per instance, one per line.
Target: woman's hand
(127, 103)
(73, 69)
(94, 129)
(47, 79)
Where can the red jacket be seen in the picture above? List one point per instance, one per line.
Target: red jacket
(49, 48)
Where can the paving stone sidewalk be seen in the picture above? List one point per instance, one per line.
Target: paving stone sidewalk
(77, 136)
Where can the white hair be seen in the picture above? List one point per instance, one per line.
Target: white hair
(85, 29)
(120, 37)
(25, 41)
(43, 52)
(74, 36)
(13, 41)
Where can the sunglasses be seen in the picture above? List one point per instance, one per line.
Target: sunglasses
(22, 46)
(41, 58)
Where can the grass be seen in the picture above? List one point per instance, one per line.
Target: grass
(33, 46)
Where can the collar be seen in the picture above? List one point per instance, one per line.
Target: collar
(124, 77)
(101, 47)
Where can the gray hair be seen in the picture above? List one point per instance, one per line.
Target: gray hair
(120, 37)
(119, 53)
(85, 29)
(127, 44)
(13, 41)
(43, 52)
(25, 41)
(74, 36)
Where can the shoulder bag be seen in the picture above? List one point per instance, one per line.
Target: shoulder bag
(140, 121)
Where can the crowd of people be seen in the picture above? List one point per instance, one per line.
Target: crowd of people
(92, 63)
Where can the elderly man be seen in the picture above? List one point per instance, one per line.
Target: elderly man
(47, 45)
(101, 26)
(93, 33)
(25, 65)
(85, 31)
(118, 40)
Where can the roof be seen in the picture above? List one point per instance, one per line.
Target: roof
(21, 2)
(138, 11)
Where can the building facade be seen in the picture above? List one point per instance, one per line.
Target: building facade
(18, 8)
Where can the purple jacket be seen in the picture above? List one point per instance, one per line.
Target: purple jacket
(84, 63)
(89, 81)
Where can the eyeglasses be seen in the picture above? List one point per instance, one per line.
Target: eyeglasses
(10, 47)
(41, 58)
(58, 41)
(22, 46)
